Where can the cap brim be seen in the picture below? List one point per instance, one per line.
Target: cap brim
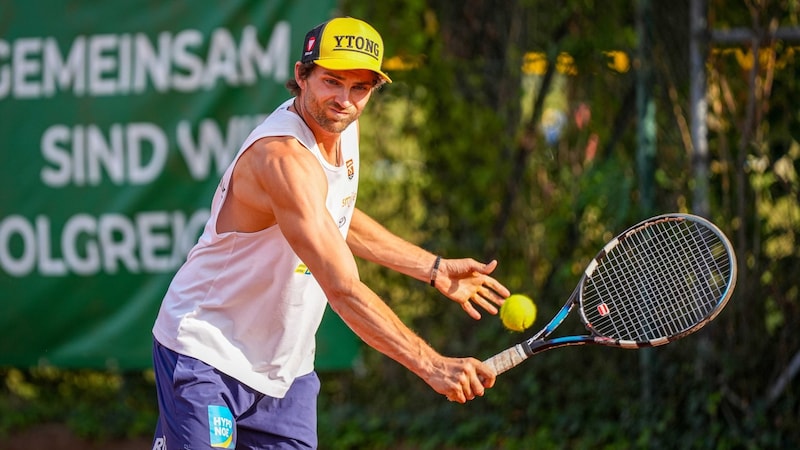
(347, 64)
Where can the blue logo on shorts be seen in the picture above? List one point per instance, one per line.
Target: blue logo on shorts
(221, 427)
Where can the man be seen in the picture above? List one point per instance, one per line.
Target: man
(234, 339)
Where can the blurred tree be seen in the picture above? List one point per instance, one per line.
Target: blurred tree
(510, 132)
(515, 125)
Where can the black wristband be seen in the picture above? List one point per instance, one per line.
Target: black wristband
(435, 270)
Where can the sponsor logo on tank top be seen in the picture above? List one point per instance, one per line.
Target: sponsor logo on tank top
(302, 269)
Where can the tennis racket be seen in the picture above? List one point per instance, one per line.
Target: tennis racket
(659, 281)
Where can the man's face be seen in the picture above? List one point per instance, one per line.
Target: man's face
(336, 98)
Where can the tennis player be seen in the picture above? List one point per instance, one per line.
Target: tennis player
(235, 335)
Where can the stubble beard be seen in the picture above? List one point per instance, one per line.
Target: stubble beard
(317, 112)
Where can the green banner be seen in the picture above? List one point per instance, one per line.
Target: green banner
(116, 121)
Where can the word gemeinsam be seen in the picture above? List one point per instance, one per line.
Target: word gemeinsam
(133, 63)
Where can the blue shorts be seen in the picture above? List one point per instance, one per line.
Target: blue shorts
(202, 408)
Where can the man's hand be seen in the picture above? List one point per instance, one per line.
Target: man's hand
(467, 282)
(460, 379)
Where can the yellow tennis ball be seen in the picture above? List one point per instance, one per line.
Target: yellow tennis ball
(518, 312)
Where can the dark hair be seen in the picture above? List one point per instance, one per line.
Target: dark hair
(305, 71)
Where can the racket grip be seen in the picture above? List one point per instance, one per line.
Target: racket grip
(506, 359)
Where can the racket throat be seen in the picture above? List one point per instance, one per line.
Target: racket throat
(533, 348)
(526, 348)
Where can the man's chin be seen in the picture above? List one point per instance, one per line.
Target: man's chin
(337, 126)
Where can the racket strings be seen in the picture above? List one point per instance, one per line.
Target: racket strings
(689, 303)
(658, 281)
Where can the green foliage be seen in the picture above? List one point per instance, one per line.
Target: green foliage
(455, 156)
(493, 186)
(96, 405)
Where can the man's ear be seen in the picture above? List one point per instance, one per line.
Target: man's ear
(297, 78)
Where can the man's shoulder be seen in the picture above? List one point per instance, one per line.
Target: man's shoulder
(277, 147)
(283, 123)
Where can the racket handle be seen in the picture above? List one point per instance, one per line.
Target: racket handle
(506, 359)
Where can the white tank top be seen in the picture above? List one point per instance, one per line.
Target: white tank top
(244, 303)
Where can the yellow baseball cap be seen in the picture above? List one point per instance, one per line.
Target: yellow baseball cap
(345, 43)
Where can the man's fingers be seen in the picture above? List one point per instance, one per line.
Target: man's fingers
(486, 375)
(467, 385)
(497, 288)
(488, 267)
(486, 305)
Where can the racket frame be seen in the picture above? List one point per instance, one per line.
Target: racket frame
(539, 342)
